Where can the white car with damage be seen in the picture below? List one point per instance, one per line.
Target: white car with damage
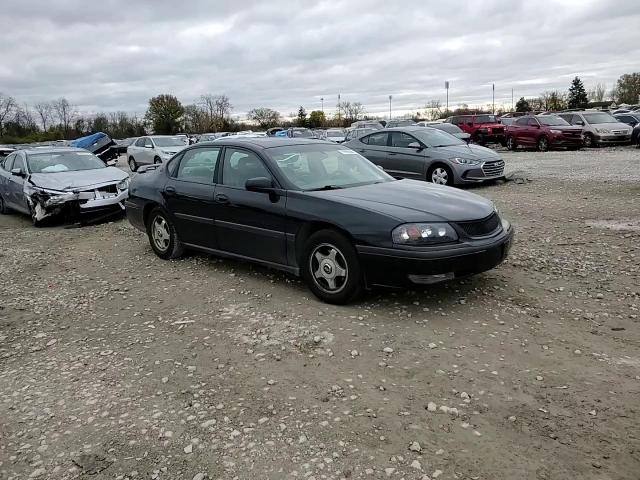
(61, 181)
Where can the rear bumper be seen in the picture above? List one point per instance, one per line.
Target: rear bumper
(394, 267)
(135, 214)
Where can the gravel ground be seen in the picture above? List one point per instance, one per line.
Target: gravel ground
(116, 364)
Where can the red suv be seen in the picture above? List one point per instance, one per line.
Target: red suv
(482, 128)
(543, 132)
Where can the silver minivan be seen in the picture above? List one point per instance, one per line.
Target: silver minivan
(599, 128)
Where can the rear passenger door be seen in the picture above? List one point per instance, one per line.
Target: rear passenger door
(375, 148)
(402, 161)
(16, 197)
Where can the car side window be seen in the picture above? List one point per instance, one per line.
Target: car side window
(378, 139)
(8, 163)
(18, 162)
(401, 139)
(576, 119)
(148, 143)
(521, 121)
(140, 142)
(533, 122)
(198, 165)
(241, 165)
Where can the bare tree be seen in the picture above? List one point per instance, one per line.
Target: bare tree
(266, 117)
(598, 93)
(65, 113)
(353, 111)
(217, 107)
(7, 108)
(45, 112)
(434, 109)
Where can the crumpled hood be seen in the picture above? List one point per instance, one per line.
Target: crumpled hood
(471, 152)
(413, 201)
(77, 180)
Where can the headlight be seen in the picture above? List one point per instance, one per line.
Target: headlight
(465, 161)
(165, 152)
(423, 234)
(123, 185)
(557, 132)
(602, 130)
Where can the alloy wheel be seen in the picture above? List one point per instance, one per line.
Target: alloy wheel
(543, 144)
(329, 268)
(511, 144)
(132, 164)
(160, 233)
(440, 176)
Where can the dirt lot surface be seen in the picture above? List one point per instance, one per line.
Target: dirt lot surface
(116, 364)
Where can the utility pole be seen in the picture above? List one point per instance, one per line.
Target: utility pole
(339, 108)
(390, 97)
(493, 101)
(512, 99)
(446, 87)
(322, 100)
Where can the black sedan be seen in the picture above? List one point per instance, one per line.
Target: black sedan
(317, 210)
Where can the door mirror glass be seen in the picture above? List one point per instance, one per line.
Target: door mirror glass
(259, 184)
(415, 145)
(17, 172)
(579, 122)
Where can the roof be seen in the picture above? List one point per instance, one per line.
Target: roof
(264, 142)
(34, 151)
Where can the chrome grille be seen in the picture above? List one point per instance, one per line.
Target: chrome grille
(480, 228)
(492, 169)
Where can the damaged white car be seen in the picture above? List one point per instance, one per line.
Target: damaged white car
(67, 182)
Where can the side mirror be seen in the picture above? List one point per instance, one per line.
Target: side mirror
(415, 145)
(148, 146)
(259, 184)
(17, 172)
(580, 122)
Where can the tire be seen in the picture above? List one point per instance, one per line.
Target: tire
(440, 175)
(331, 268)
(588, 140)
(133, 166)
(163, 236)
(157, 161)
(4, 210)
(543, 144)
(479, 139)
(511, 143)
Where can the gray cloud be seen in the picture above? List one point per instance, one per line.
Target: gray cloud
(282, 54)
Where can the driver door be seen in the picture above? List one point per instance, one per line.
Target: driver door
(405, 162)
(15, 185)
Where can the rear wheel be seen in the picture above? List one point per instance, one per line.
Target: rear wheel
(133, 166)
(163, 236)
(3, 206)
(479, 139)
(440, 175)
(511, 143)
(157, 160)
(331, 268)
(543, 144)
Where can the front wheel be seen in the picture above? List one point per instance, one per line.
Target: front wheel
(133, 166)
(479, 139)
(511, 143)
(163, 236)
(543, 144)
(588, 140)
(331, 268)
(3, 207)
(157, 161)
(440, 175)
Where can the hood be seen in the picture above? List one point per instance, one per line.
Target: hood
(77, 180)
(173, 149)
(612, 126)
(414, 201)
(568, 128)
(471, 152)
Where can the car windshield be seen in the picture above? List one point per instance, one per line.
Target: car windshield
(54, 162)
(168, 141)
(335, 133)
(551, 120)
(325, 167)
(485, 119)
(436, 138)
(446, 127)
(302, 133)
(600, 117)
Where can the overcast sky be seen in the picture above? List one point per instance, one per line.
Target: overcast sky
(115, 54)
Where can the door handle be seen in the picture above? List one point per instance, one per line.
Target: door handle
(222, 199)
(170, 190)
(391, 154)
(362, 150)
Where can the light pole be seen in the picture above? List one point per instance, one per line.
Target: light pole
(512, 99)
(390, 97)
(446, 87)
(322, 100)
(493, 100)
(339, 108)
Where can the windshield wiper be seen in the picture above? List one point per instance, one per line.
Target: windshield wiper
(326, 187)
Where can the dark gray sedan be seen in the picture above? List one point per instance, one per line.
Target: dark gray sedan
(424, 153)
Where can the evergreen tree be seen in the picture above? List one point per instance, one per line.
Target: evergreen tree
(577, 94)
(302, 117)
(522, 105)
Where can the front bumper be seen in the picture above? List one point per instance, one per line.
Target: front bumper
(565, 141)
(487, 171)
(411, 267)
(611, 139)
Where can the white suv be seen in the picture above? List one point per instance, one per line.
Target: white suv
(153, 149)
